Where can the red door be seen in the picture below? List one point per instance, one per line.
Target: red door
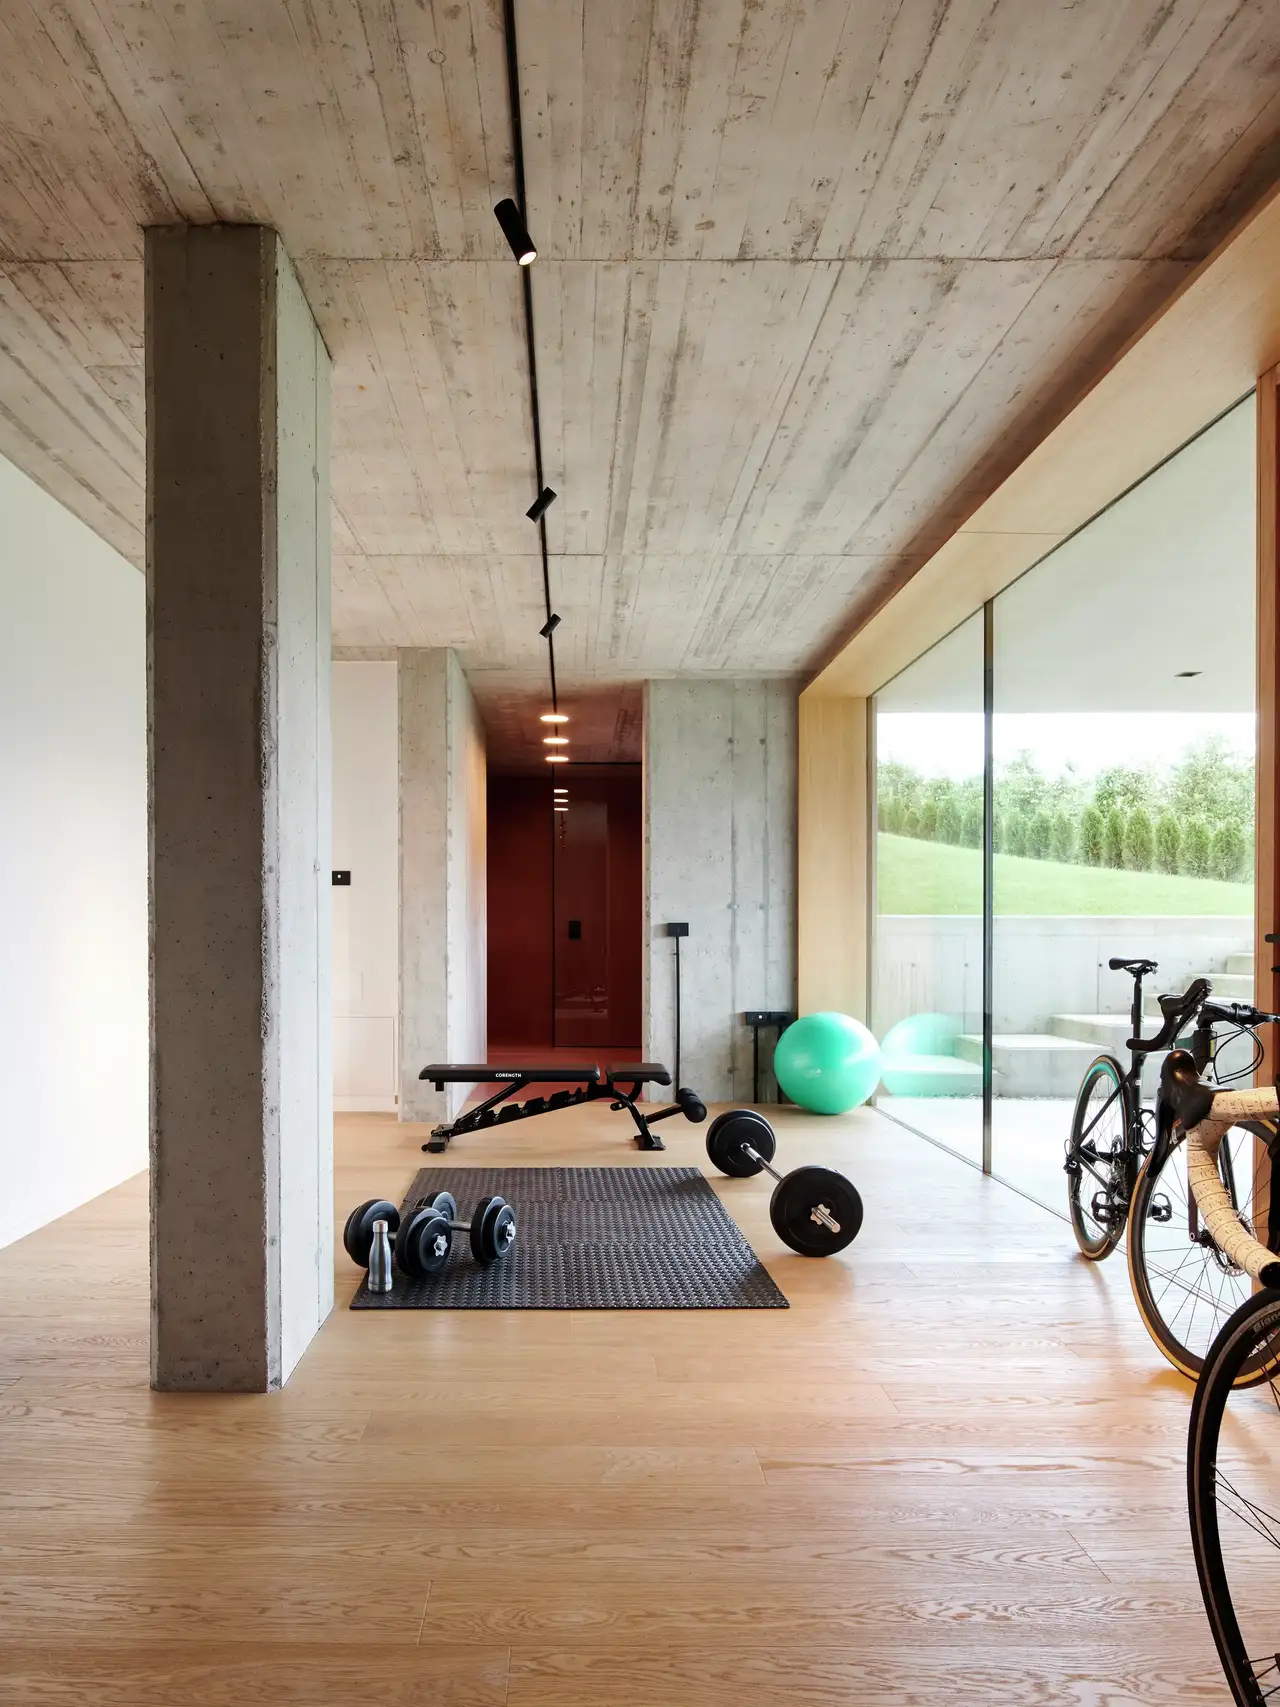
(597, 912)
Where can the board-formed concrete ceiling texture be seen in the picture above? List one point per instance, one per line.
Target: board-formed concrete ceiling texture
(811, 277)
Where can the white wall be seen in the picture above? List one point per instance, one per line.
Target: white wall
(468, 878)
(443, 979)
(366, 917)
(720, 853)
(73, 862)
(302, 802)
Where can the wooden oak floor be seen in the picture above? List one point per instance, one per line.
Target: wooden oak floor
(951, 1472)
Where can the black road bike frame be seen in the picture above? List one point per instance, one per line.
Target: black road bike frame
(1178, 1012)
(1118, 1182)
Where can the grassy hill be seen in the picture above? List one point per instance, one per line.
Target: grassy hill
(933, 877)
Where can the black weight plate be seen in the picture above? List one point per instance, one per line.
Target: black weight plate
(417, 1254)
(446, 1204)
(483, 1219)
(497, 1233)
(796, 1196)
(727, 1134)
(357, 1235)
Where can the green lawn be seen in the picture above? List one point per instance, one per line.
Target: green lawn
(933, 877)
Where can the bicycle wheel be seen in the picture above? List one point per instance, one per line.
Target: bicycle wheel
(1233, 1498)
(1095, 1158)
(1183, 1285)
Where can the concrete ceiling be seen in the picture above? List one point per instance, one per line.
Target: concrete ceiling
(812, 277)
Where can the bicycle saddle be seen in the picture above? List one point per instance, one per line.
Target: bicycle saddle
(1134, 967)
(1190, 1100)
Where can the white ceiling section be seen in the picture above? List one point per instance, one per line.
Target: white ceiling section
(811, 277)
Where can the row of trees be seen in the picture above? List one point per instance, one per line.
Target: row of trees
(1197, 820)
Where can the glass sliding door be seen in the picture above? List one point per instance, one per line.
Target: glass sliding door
(1123, 738)
(927, 973)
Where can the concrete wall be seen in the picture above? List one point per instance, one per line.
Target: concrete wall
(73, 862)
(366, 917)
(442, 878)
(1043, 966)
(720, 829)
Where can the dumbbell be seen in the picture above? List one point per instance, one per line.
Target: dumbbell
(424, 1237)
(814, 1210)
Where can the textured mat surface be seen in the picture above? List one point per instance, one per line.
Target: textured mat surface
(591, 1239)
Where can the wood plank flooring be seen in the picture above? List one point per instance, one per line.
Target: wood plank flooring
(952, 1470)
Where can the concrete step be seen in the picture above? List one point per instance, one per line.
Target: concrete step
(1103, 1031)
(1227, 987)
(1031, 1064)
(1241, 963)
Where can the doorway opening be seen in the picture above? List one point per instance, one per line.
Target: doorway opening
(565, 861)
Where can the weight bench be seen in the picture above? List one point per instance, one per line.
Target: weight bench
(619, 1086)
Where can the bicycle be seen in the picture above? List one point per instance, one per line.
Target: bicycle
(1133, 1158)
(1109, 1136)
(1233, 1474)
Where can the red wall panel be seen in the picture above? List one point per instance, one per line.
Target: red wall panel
(531, 901)
(519, 912)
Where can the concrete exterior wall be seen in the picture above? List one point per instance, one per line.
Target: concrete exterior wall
(720, 853)
(73, 861)
(1042, 967)
(238, 703)
(442, 878)
(366, 916)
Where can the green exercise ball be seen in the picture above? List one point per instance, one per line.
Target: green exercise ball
(828, 1063)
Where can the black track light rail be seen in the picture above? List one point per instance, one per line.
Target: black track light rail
(517, 150)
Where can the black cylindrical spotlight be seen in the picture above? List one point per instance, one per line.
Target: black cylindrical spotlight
(541, 504)
(513, 229)
(549, 626)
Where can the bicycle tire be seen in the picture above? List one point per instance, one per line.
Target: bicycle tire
(1251, 1334)
(1183, 1298)
(1096, 1240)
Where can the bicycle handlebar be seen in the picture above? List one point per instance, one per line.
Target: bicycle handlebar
(1177, 1011)
(1235, 1013)
(1213, 1200)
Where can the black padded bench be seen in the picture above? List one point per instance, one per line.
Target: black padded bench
(619, 1085)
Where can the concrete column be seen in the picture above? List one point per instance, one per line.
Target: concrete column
(720, 853)
(443, 968)
(238, 691)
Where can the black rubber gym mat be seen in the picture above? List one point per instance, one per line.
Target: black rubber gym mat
(591, 1239)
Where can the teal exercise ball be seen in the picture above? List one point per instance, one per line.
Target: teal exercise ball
(827, 1063)
(920, 1057)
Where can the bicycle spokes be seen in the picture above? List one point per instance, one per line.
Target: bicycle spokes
(1186, 1286)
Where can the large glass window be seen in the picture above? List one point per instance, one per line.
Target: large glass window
(1123, 742)
(1105, 790)
(927, 977)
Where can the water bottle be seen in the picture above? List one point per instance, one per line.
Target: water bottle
(380, 1259)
